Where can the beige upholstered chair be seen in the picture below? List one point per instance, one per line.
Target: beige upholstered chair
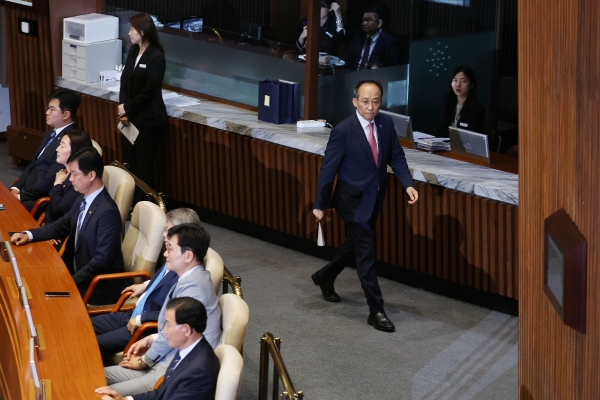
(97, 146)
(214, 264)
(144, 238)
(120, 186)
(234, 320)
(141, 248)
(229, 381)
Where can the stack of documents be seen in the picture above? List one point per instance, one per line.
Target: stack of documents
(431, 145)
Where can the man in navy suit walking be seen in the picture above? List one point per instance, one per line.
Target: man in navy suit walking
(358, 153)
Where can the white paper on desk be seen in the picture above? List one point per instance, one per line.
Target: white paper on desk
(181, 101)
(129, 131)
(169, 95)
(114, 88)
(420, 135)
(320, 238)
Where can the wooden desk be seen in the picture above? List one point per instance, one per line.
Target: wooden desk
(68, 358)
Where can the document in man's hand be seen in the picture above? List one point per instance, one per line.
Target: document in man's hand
(129, 131)
(320, 238)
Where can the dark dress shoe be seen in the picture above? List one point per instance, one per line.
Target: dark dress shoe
(326, 289)
(381, 322)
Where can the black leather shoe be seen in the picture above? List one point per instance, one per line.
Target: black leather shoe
(326, 289)
(380, 321)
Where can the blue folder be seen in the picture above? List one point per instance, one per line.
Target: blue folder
(272, 103)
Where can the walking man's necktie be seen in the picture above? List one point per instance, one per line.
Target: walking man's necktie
(373, 143)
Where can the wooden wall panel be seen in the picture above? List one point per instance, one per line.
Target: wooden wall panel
(559, 76)
(29, 70)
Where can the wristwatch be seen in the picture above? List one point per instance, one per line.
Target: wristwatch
(142, 363)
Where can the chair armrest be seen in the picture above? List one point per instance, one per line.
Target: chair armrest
(63, 247)
(38, 203)
(109, 277)
(147, 327)
(121, 301)
(41, 218)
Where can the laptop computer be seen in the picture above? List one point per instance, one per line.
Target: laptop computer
(403, 127)
(470, 144)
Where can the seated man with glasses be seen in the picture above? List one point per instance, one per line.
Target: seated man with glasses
(147, 359)
(114, 330)
(358, 152)
(38, 177)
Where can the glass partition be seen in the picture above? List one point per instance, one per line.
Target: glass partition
(336, 91)
(431, 65)
(217, 62)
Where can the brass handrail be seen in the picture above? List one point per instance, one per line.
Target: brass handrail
(235, 282)
(157, 197)
(269, 344)
(228, 278)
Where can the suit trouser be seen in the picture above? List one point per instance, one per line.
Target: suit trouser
(359, 243)
(111, 331)
(129, 382)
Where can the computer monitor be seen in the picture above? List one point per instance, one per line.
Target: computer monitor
(403, 126)
(470, 144)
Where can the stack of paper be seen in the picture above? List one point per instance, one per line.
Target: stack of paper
(431, 145)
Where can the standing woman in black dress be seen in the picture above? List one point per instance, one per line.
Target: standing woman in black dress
(461, 108)
(140, 98)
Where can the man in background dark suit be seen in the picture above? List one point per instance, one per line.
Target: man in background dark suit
(373, 47)
(358, 153)
(193, 373)
(94, 229)
(38, 177)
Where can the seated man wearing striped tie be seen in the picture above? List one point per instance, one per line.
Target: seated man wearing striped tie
(94, 229)
(193, 372)
(38, 177)
(114, 330)
(147, 359)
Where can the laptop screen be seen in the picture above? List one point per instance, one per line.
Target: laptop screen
(469, 143)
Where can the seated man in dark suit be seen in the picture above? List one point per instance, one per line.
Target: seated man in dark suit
(94, 228)
(114, 330)
(38, 177)
(193, 372)
(372, 46)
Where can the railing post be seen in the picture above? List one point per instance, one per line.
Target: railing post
(277, 342)
(263, 379)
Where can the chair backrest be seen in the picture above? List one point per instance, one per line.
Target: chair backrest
(214, 264)
(234, 320)
(97, 146)
(229, 380)
(120, 186)
(144, 240)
